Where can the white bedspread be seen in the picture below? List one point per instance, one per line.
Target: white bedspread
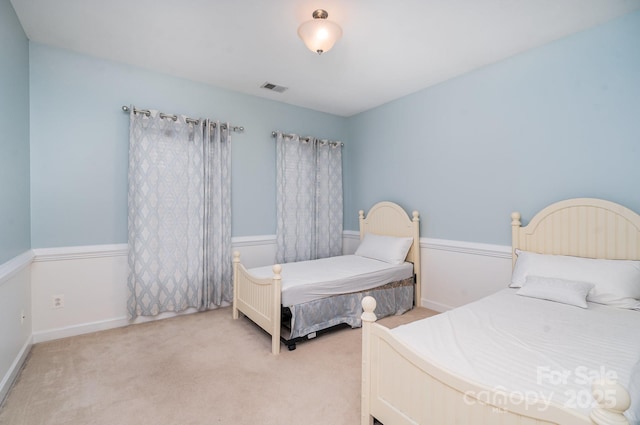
(540, 349)
(305, 281)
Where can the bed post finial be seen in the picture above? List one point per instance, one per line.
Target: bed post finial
(369, 305)
(361, 214)
(515, 219)
(612, 399)
(236, 256)
(416, 216)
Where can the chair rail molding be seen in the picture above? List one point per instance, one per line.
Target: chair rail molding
(15, 265)
(80, 252)
(473, 248)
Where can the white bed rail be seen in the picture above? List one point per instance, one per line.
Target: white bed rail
(258, 299)
(401, 388)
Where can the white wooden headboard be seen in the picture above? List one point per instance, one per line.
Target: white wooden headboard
(390, 219)
(581, 227)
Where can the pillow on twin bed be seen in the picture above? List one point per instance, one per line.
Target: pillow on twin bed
(558, 290)
(389, 249)
(615, 282)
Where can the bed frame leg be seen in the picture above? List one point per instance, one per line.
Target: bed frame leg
(368, 318)
(275, 311)
(236, 261)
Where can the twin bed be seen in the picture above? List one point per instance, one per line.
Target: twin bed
(561, 345)
(295, 301)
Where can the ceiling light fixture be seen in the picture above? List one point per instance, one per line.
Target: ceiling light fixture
(319, 34)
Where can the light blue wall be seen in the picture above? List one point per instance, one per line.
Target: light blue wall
(79, 144)
(555, 122)
(14, 135)
(559, 121)
(15, 237)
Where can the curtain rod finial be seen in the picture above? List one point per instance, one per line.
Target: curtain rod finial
(125, 108)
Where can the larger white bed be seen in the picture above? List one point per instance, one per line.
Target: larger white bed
(514, 359)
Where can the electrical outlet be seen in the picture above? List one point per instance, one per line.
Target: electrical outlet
(57, 301)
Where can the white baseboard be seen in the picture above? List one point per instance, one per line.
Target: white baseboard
(80, 329)
(431, 305)
(12, 373)
(103, 325)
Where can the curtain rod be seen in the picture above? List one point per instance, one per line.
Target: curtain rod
(237, 129)
(309, 138)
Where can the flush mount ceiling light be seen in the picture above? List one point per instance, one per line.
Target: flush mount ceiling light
(319, 34)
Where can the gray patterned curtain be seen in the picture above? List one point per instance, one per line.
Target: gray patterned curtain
(309, 198)
(218, 279)
(179, 214)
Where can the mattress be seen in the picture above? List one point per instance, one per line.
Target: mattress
(542, 350)
(306, 281)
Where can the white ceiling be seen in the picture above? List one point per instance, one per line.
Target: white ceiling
(389, 48)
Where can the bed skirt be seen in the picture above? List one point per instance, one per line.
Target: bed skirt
(392, 298)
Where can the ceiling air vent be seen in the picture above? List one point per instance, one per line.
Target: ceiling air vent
(273, 87)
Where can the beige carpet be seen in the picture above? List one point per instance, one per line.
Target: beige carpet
(197, 369)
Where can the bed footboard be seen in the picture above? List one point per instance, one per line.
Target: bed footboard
(401, 388)
(258, 299)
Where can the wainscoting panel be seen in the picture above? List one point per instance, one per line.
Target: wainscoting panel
(455, 273)
(255, 251)
(92, 281)
(91, 286)
(451, 278)
(15, 318)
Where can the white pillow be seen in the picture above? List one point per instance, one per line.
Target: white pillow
(384, 248)
(616, 282)
(558, 290)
